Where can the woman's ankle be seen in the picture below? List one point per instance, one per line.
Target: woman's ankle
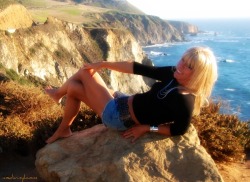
(59, 134)
(53, 94)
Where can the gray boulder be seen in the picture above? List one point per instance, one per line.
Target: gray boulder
(101, 154)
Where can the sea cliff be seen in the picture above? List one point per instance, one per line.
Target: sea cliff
(54, 50)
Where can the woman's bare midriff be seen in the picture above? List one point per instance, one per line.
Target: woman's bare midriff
(131, 110)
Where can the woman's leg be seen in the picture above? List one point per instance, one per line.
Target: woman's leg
(83, 86)
(58, 93)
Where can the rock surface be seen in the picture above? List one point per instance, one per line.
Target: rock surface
(55, 50)
(101, 154)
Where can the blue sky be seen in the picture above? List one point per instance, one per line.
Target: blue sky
(193, 9)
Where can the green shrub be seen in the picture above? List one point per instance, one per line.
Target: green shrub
(15, 77)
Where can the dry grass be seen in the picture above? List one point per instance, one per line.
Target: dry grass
(22, 109)
(225, 137)
(75, 13)
(28, 117)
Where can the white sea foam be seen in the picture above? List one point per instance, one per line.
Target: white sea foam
(226, 41)
(230, 89)
(157, 45)
(229, 61)
(221, 59)
(155, 53)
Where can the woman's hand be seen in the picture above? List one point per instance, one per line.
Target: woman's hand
(95, 66)
(138, 130)
(135, 132)
(121, 66)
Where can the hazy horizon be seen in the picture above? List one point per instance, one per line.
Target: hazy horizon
(179, 10)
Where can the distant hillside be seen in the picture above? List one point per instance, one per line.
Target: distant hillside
(119, 5)
(118, 14)
(146, 29)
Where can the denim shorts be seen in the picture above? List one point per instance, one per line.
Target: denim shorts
(116, 115)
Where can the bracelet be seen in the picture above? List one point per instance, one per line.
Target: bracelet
(153, 129)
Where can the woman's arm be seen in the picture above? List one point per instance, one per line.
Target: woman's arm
(124, 66)
(158, 73)
(139, 130)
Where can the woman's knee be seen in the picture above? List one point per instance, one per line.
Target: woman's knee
(85, 73)
(74, 88)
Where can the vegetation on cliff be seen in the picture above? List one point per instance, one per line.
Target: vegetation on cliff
(28, 117)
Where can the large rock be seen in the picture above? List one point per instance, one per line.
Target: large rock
(15, 16)
(101, 154)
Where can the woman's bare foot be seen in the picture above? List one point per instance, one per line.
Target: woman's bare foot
(57, 135)
(52, 93)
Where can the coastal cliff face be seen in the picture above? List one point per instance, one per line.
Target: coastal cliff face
(184, 27)
(55, 50)
(146, 29)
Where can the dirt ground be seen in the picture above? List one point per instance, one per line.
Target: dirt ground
(235, 172)
(14, 167)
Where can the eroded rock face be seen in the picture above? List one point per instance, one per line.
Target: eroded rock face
(54, 51)
(101, 154)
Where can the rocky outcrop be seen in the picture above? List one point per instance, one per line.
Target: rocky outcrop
(14, 17)
(55, 50)
(146, 29)
(185, 27)
(101, 154)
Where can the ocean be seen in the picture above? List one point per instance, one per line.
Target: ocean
(230, 41)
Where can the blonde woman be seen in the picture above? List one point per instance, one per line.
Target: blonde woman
(167, 108)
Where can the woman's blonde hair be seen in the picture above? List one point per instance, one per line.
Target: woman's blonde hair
(204, 74)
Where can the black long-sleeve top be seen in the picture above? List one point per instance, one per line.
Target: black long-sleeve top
(154, 109)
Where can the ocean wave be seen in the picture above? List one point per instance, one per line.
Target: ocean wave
(229, 61)
(157, 45)
(230, 89)
(220, 59)
(226, 41)
(170, 44)
(154, 53)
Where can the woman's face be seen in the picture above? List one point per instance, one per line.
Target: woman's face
(183, 72)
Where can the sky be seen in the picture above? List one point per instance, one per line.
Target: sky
(194, 9)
